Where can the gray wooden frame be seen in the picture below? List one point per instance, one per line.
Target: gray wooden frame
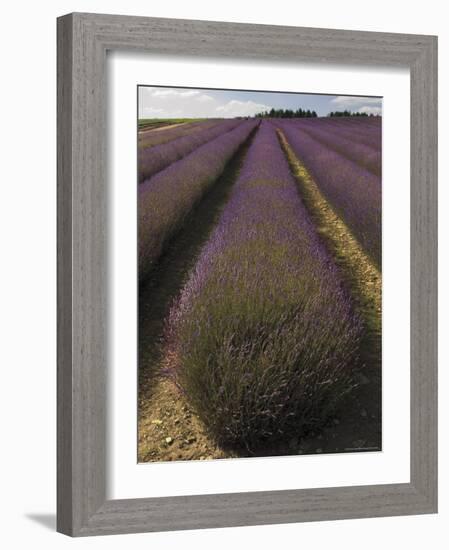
(83, 40)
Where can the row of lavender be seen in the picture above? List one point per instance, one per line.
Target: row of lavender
(265, 334)
(348, 142)
(152, 137)
(354, 192)
(358, 131)
(154, 159)
(165, 199)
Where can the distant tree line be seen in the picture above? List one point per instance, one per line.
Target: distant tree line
(349, 113)
(286, 113)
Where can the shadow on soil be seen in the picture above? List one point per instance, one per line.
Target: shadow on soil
(356, 427)
(158, 291)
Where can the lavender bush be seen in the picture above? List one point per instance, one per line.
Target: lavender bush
(352, 148)
(354, 192)
(155, 159)
(355, 129)
(265, 334)
(373, 122)
(165, 199)
(150, 138)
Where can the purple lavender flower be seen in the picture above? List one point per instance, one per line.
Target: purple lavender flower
(154, 159)
(152, 137)
(265, 333)
(165, 199)
(355, 193)
(367, 131)
(347, 144)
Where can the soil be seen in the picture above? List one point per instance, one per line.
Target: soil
(168, 427)
(156, 391)
(362, 413)
(170, 430)
(159, 128)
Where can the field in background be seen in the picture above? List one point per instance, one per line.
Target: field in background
(259, 287)
(153, 123)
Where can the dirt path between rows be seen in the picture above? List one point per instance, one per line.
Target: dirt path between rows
(163, 409)
(359, 424)
(365, 276)
(168, 427)
(160, 128)
(170, 430)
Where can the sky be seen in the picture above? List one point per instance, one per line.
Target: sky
(159, 102)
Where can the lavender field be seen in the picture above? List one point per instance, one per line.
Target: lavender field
(259, 246)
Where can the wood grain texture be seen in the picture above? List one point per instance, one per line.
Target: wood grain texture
(424, 252)
(64, 276)
(83, 40)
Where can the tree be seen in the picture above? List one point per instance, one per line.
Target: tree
(287, 113)
(346, 113)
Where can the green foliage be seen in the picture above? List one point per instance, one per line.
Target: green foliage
(265, 334)
(287, 113)
(347, 113)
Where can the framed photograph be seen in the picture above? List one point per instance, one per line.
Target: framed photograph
(247, 281)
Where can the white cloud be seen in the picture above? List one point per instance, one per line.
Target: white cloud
(178, 102)
(189, 93)
(368, 105)
(163, 92)
(352, 101)
(241, 108)
(198, 103)
(205, 98)
(172, 92)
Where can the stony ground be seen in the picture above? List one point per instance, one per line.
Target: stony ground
(170, 430)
